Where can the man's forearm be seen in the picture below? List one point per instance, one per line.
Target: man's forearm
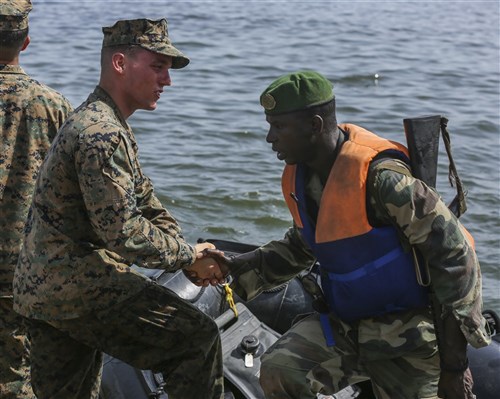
(452, 342)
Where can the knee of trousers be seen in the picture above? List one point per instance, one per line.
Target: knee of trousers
(267, 379)
(272, 376)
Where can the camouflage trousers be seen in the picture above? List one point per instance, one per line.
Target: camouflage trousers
(300, 365)
(14, 354)
(154, 330)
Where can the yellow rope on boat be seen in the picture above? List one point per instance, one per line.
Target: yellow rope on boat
(230, 299)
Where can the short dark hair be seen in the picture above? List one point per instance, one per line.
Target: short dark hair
(11, 43)
(125, 49)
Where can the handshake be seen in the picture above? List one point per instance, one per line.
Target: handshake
(210, 266)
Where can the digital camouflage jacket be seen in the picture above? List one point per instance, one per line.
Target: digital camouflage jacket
(94, 214)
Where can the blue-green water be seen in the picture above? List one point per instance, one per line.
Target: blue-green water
(204, 147)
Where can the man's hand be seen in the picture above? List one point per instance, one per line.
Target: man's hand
(221, 259)
(202, 246)
(455, 385)
(205, 270)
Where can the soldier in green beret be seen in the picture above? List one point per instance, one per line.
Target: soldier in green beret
(30, 115)
(358, 211)
(94, 215)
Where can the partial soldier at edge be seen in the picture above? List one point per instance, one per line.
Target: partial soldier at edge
(30, 115)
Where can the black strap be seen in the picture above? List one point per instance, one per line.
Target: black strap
(458, 206)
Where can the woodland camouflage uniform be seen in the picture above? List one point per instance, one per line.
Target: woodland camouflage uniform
(95, 214)
(30, 115)
(397, 351)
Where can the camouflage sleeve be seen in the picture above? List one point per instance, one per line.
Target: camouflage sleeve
(122, 207)
(424, 221)
(153, 210)
(61, 111)
(58, 107)
(65, 110)
(270, 265)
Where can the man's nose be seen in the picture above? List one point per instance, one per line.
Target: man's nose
(270, 137)
(165, 78)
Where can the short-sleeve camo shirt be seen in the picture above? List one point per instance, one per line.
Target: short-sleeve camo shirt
(94, 214)
(30, 115)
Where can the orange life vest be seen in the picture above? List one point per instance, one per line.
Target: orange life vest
(364, 269)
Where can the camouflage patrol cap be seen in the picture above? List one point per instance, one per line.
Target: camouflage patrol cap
(296, 91)
(148, 34)
(14, 14)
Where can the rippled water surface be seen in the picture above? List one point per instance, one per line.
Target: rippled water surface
(204, 147)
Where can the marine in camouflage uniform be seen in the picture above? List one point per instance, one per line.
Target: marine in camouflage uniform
(397, 351)
(94, 215)
(30, 115)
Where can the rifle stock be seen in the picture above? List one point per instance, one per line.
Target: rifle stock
(422, 137)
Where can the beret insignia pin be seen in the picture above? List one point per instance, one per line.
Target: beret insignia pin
(268, 101)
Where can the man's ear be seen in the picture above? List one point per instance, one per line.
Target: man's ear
(26, 43)
(317, 124)
(118, 62)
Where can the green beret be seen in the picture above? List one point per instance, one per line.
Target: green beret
(296, 91)
(151, 35)
(14, 14)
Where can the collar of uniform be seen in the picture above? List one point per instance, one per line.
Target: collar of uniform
(9, 68)
(102, 95)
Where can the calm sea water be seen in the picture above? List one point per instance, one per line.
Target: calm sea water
(204, 147)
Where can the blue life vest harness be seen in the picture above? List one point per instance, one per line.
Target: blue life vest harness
(365, 271)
